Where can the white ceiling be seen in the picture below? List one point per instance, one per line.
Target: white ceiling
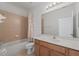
(30, 5)
(23, 6)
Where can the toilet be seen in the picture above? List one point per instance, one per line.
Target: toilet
(30, 48)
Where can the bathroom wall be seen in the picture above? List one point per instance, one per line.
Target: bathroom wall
(13, 28)
(36, 22)
(36, 17)
(8, 6)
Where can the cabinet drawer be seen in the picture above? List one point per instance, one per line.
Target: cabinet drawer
(55, 53)
(44, 43)
(73, 52)
(52, 46)
(57, 48)
(37, 41)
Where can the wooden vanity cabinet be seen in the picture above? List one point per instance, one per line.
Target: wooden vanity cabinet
(55, 53)
(56, 50)
(73, 52)
(53, 50)
(43, 48)
(44, 51)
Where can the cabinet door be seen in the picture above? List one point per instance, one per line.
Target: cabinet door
(55, 53)
(44, 51)
(37, 49)
(73, 52)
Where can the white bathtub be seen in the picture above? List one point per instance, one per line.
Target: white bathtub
(13, 47)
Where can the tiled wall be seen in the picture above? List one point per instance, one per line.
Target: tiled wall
(14, 27)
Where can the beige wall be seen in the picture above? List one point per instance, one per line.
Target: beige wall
(13, 25)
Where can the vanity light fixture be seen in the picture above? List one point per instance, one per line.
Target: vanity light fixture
(52, 5)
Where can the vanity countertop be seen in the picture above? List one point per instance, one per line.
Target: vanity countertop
(66, 42)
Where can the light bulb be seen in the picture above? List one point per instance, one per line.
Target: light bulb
(54, 3)
(50, 5)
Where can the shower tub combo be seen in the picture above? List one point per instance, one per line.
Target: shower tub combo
(12, 48)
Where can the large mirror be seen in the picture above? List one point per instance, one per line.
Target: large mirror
(60, 22)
